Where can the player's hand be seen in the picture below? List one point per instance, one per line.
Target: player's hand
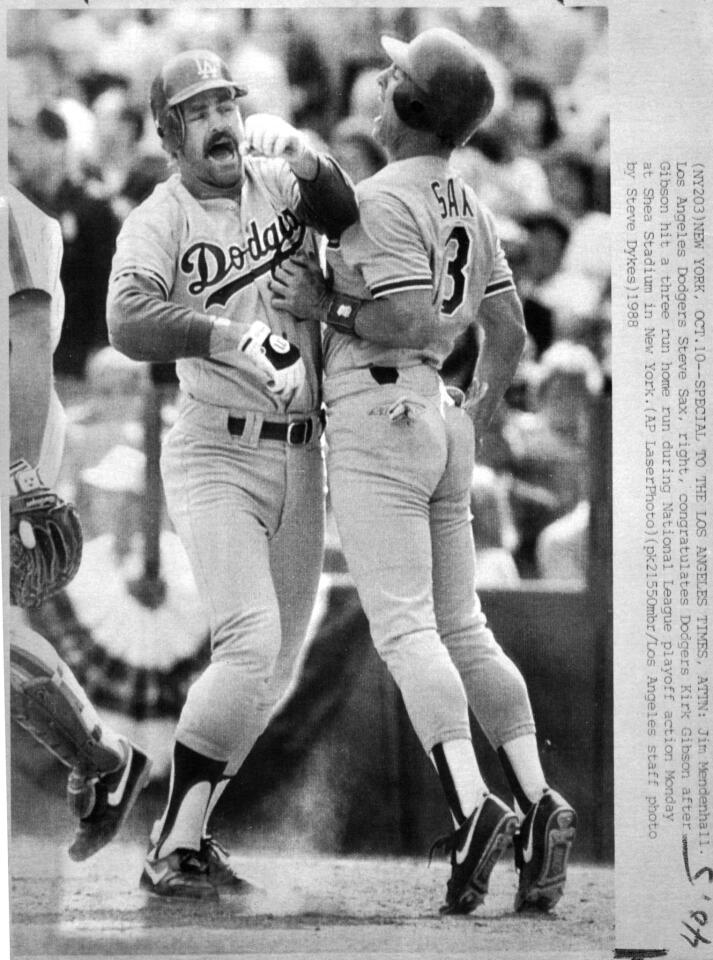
(300, 289)
(480, 413)
(276, 357)
(271, 136)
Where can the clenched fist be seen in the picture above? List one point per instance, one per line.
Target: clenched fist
(271, 136)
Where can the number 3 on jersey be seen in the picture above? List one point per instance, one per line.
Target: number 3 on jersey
(458, 245)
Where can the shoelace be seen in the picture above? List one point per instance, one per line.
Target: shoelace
(209, 845)
(449, 842)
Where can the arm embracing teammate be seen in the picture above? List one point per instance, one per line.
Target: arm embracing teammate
(423, 263)
(242, 467)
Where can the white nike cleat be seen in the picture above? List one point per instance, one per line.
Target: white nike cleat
(181, 874)
(542, 850)
(114, 796)
(475, 848)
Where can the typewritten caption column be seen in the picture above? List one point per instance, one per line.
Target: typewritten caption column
(665, 255)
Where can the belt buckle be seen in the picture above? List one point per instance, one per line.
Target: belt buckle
(300, 439)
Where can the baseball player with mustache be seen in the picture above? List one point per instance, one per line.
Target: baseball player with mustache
(422, 264)
(242, 467)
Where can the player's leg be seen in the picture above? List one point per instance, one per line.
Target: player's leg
(382, 476)
(296, 551)
(296, 555)
(107, 772)
(223, 499)
(495, 687)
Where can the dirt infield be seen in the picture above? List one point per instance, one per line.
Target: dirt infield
(312, 906)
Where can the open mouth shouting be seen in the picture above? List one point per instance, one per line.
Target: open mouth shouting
(222, 148)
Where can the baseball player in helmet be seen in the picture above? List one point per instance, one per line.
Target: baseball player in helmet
(106, 771)
(423, 263)
(242, 466)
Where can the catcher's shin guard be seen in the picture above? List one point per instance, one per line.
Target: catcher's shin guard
(46, 699)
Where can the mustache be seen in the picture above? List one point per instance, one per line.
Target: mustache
(223, 136)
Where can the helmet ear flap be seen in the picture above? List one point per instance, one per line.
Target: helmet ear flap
(410, 105)
(173, 129)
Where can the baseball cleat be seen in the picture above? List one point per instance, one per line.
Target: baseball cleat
(182, 874)
(81, 792)
(221, 872)
(114, 796)
(542, 850)
(475, 848)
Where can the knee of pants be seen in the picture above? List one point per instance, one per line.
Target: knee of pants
(250, 641)
(412, 655)
(431, 687)
(471, 640)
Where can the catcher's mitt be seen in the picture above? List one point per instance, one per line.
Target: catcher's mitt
(45, 539)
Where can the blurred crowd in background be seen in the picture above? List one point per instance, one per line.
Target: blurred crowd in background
(83, 147)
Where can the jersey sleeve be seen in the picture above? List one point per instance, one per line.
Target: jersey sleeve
(35, 246)
(386, 246)
(326, 204)
(35, 256)
(501, 278)
(147, 245)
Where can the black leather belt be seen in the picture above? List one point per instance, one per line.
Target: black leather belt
(296, 433)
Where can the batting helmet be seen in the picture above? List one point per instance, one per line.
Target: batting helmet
(446, 89)
(182, 77)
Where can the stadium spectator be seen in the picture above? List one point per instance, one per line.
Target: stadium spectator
(550, 446)
(533, 114)
(110, 413)
(493, 532)
(561, 549)
(547, 239)
(309, 80)
(361, 91)
(119, 129)
(510, 183)
(141, 177)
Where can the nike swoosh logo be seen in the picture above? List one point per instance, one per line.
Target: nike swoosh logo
(115, 796)
(466, 846)
(155, 873)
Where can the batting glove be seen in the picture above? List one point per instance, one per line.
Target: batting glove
(276, 357)
(272, 136)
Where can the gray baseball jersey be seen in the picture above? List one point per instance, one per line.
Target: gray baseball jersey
(215, 256)
(420, 227)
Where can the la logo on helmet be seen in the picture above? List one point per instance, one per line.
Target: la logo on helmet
(207, 69)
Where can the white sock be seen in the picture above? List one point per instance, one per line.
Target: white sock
(524, 759)
(185, 831)
(215, 796)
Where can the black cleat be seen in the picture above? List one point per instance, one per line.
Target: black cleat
(221, 872)
(475, 848)
(542, 851)
(181, 874)
(114, 794)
